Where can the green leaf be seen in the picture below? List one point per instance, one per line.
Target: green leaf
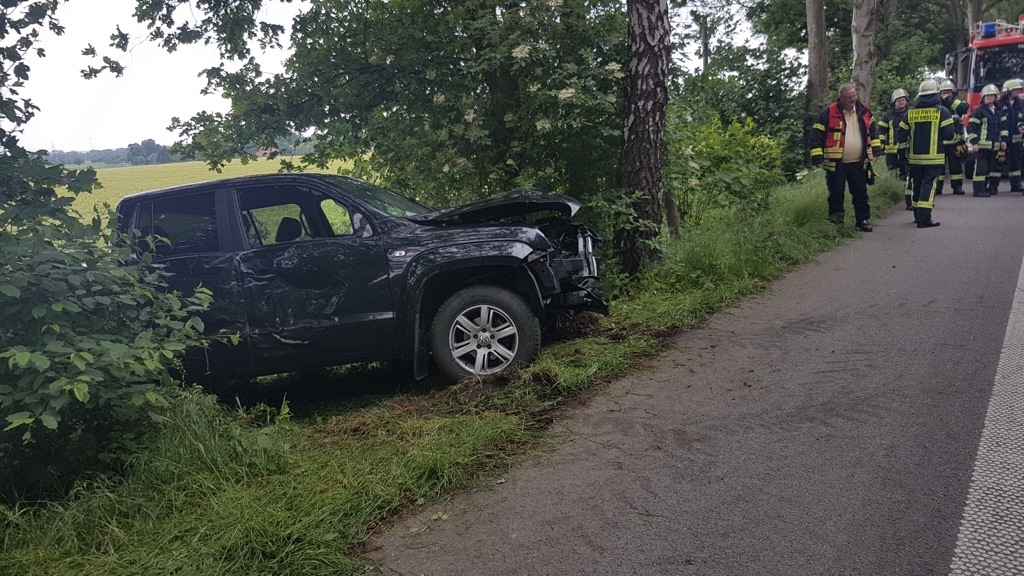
(9, 290)
(49, 420)
(19, 419)
(40, 361)
(20, 359)
(81, 391)
(157, 399)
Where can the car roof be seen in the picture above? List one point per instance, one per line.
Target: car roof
(226, 182)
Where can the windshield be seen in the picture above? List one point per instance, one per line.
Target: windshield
(383, 199)
(997, 64)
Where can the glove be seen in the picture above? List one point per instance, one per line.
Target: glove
(1001, 157)
(817, 160)
(870, 172)
(961, 150)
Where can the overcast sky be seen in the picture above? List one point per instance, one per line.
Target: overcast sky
(109, 112)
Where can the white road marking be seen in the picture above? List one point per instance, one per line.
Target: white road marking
(991, 539)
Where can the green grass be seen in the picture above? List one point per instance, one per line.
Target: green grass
(242, 492)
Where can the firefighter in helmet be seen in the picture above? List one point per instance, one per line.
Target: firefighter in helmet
(895, 157)
(985, 140)
(955, 153)
(927, 130)
(1011, 118)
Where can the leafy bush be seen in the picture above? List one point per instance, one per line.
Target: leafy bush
(88, 343)
(714, 166)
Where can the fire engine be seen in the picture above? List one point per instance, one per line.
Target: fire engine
(995, 54)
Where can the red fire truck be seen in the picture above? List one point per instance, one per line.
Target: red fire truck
(995, 54)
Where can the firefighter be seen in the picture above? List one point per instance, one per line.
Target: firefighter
(844, 141)
(983, 136)
(1011, 118)
(927, 130)
(895, 157)
(954, 154)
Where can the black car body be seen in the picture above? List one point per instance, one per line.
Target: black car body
(317, 270)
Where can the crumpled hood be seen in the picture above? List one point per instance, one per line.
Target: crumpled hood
(517, 202)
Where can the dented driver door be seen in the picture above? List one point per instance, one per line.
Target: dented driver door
(314, 286)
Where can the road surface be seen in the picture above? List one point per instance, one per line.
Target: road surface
(830, 426)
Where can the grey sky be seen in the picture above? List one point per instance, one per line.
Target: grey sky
(109, 112)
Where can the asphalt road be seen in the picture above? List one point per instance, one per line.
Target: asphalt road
(830, 426)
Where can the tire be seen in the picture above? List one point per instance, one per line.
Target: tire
(484, 330)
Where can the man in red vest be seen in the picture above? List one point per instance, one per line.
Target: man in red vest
(843, 140)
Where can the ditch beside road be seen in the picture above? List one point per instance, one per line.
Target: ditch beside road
(829, 426)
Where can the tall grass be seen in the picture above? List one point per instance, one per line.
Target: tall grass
(213, 493)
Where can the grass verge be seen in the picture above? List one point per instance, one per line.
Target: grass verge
(218, 492)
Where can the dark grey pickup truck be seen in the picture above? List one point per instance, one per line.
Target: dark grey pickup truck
(314, 270)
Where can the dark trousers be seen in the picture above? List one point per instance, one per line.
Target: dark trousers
(924, 177)
(1013, 160)
(955, 167)
(984, 165)
(851, 173)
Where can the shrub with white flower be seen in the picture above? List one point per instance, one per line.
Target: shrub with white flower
(521, 51)
(566, 93)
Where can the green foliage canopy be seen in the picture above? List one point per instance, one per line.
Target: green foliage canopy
(439, 98)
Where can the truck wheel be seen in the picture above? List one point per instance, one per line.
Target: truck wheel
(483, 330)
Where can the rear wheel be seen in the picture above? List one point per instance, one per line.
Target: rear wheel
(484, 330)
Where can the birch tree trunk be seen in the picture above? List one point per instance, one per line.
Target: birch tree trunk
(643, 152)
(817, 65)
(866, 18)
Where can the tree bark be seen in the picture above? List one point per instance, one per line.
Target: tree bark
(643, 152)
(866, 18)
(817, 65)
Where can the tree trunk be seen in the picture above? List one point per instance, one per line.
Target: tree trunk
(673, 219)
(866, 18)
(643, 153)
(817, 65)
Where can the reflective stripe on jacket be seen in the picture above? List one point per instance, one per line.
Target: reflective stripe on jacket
(927, 129)
(983, 129)
(828, 134)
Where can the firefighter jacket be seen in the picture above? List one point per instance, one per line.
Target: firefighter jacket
(887, 129)
(828, 134)
(927, 130)
(959, 108)
(984, 128)
(1011, 117)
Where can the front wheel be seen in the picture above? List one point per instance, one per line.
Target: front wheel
(483, 330)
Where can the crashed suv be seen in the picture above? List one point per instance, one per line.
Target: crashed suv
(313, 270)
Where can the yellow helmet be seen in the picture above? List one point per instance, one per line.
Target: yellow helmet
(897, 94)
(989, 90)
(928, 87)
(1013, 84)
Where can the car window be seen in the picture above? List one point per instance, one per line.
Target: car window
(337, 216)
(272, 215)
(275, 224)
(178, 226)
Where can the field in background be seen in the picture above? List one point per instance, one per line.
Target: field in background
(120, 181)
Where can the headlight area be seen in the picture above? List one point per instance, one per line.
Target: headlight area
(568, 275)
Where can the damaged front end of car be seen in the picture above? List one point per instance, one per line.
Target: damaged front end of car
(567, 273)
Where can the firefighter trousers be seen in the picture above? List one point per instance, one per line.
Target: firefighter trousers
(955, 168)
(836, 179)
(924, 178)
(985, 175)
